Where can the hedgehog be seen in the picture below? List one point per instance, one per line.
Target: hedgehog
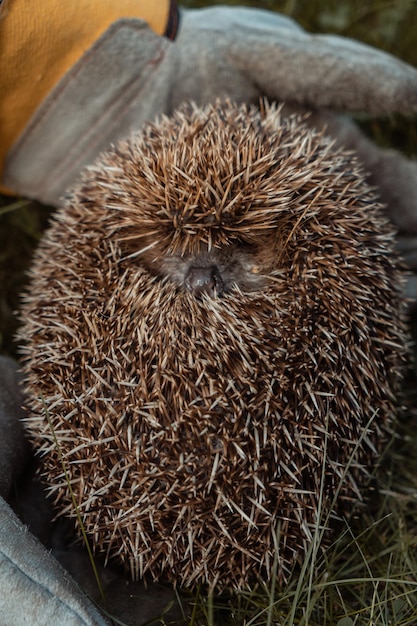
(213, 341)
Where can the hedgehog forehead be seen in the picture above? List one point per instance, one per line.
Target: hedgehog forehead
(212, 180)
(195, 229)
(207, 201)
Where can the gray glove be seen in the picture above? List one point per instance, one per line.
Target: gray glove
(130, 75)
(34, 588)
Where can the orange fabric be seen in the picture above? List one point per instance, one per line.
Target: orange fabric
(41, 39)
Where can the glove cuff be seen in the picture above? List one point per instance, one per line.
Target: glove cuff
(40, 43)
(101, 99)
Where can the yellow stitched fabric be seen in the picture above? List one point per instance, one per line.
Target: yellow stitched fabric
(41, 40)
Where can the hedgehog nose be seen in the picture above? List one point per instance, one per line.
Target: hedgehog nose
(201, 280)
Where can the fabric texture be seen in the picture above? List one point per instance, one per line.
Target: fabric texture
(41, 41)
(35, 589)
(101, 98)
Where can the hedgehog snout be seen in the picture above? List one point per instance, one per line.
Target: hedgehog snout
(202, 279)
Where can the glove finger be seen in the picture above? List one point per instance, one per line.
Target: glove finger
(258, 22)
(34, 588)
(322, 70)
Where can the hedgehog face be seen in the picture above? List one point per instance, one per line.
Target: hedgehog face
(215, 272)
(221, 200)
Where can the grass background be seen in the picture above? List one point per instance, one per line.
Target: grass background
(370, 574)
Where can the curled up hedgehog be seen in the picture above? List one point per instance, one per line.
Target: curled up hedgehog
(213, 342)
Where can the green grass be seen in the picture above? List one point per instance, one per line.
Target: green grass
(369, 575)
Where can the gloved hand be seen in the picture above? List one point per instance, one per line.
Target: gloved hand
(130, 75)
